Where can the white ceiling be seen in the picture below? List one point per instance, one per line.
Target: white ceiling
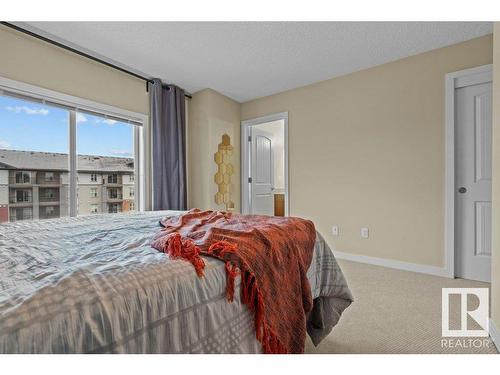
(247, 60)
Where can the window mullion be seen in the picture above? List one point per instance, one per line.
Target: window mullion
(137, 169)
(72, 165)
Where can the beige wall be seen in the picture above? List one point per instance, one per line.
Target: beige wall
(29, 60)
(367, 149)
(210, 116)
(495, 272)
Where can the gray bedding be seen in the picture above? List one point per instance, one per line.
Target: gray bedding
(93, 284)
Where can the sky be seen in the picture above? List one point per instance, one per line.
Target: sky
(32, 126)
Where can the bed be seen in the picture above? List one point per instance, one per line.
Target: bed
(93, 284)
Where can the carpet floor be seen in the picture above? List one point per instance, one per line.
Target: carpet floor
(396, 312)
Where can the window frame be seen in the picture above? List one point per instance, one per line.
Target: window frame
(74, 104)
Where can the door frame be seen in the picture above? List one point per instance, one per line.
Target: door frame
(245, 158)
(454, 80)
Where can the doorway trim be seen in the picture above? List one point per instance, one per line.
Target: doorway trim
(454, 80)
(245, 158)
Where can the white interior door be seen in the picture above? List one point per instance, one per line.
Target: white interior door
(262, 173)
(473, 181)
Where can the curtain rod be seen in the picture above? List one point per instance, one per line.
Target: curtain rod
(68, 48)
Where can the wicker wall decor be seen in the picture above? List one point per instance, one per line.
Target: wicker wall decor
(225, 170)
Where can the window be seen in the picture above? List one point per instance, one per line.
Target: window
(94, 209)
(37, 155)
(48, 194)
(114, 194)
(22, 196)
(49, 212)
(21, 177)
(109, 143)
(18, 214)
(131, 178)
(113, 179)
(131, 192)
(114, 208)
(34, 146)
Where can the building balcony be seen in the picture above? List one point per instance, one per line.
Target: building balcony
(116, 199)
(49, 202)
(49, 181)
(113, 184)
(20, 218)
(116, 180)
(21, 214)
(114, 194)
(20, 202)
(48, 198)
(50, 214)
(21, 182)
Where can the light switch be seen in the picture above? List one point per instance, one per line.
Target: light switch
(335, 230)
(365, 232)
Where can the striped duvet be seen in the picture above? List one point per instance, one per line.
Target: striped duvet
(93, 284)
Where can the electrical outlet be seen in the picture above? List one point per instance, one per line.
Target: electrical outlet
(335, 230)
(365, 232)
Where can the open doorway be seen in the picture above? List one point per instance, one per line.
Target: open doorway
(264, 158)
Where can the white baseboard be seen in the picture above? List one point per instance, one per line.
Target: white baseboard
(495, 335)
(390, 263)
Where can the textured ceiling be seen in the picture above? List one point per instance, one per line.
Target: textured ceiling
(247, 60)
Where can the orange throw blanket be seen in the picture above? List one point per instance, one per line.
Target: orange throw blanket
(272, 254)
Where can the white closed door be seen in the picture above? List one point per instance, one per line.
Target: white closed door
(262, 173)
(473, 181)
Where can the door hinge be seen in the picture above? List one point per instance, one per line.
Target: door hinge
(249, 180)
(249, 138)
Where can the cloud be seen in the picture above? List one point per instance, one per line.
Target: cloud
(28, 110)
(109, 121)
(4, 144)
(121, 153)
(80, 117)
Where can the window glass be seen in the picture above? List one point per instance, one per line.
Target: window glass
(34, 181)
(105, 148)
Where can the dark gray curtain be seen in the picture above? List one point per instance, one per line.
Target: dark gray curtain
(168, 119)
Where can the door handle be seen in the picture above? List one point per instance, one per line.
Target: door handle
(462, 190)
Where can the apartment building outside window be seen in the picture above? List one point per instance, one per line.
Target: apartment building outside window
(38, 180)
